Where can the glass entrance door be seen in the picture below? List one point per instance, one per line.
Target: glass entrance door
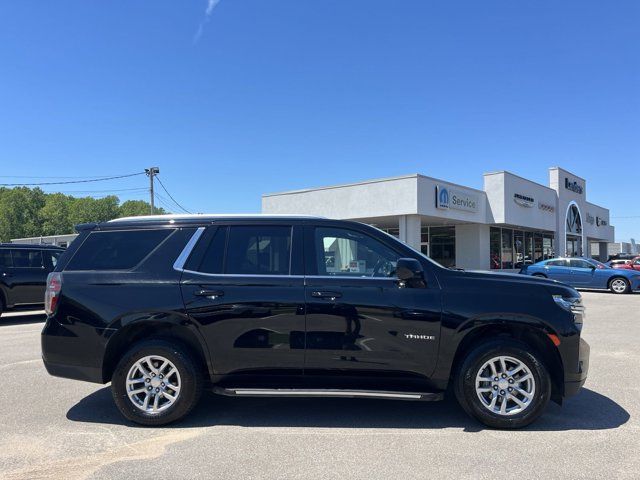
(574, 246)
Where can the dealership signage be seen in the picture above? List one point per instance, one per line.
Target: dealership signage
(524, 200)
(590, 219)
(448, 198)
(545, 207)
(573, 186)
(601, 222)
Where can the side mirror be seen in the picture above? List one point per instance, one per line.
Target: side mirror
(408, 269)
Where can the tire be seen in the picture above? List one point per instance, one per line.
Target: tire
(182, 381)
(539, 275)
(514, 415)
(619, 285)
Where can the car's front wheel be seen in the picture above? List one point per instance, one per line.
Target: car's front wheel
(156, 383)
(503, 384)
(619, 285)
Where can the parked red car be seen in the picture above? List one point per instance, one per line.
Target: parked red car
(633, 264)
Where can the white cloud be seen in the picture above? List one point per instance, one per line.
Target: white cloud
(211, 4)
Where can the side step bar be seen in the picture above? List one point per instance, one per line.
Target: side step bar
(299, 392)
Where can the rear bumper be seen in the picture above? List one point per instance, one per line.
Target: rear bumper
(576, 374)
(73, 351)
(75, 372)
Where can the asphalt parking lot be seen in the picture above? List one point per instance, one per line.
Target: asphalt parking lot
(57, 428)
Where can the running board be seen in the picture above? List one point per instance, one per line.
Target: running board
(295, 392)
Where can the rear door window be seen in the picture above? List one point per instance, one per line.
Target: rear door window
(116, 250)
(23, 258)
(213, 259)
(576, 263)
(258, 250)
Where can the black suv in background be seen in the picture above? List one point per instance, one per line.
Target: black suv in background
(165, 306)
(23, 273)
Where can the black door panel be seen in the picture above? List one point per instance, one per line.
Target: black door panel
(256, 325)
(373, 328)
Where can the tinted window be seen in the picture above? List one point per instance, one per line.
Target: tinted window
(579, 263)
(556, 263)
(346, 252)
(27, 258)
(262, 250)
(214, 256)
(5, 259)
(119, 250)
(53, 255)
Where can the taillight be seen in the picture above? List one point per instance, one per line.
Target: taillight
(52, 293)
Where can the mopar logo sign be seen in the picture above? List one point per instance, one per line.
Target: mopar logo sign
(447, 198)
(442, 197)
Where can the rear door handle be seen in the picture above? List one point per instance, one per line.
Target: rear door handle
(326, 295)
(210, 293)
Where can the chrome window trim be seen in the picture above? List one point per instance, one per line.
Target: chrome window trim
(186, 251)
(242, 275)
(268, 275)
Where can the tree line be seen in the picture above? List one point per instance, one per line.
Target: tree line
(30, 212)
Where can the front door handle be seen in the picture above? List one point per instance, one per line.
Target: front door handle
(213, 294)
(326, 295)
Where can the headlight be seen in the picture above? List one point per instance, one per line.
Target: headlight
(573, 305)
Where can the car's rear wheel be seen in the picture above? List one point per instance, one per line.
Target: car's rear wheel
(539, 275)
(503, 384)
(156, 383)
(619, 285)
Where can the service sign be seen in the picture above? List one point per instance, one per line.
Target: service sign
(449, 198)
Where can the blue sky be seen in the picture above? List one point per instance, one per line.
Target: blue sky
(278, 95)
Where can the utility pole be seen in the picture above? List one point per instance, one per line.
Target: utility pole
(151, 172)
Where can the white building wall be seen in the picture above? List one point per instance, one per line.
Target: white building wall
(409, 227)
(376, 198)
(472, 247)
(502, 189)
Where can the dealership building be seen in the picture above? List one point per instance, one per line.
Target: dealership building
(510, 222)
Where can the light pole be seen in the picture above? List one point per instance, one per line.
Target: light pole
(151, 172)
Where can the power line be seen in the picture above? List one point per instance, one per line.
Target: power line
(171, 197)
(49, 177)
(139, 189)
(164, 202)
(102, 179)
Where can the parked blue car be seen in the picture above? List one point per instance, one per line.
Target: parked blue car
(585, 273)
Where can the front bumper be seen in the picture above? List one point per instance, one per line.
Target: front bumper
(576, 375)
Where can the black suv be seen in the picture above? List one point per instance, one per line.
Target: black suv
(23, 273)
(165, 306)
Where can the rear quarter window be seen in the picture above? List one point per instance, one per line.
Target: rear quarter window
(118, 250)
(5, 259)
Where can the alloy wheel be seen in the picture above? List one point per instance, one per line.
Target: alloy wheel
(618, 285)
(505, 385)
(153, 384)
